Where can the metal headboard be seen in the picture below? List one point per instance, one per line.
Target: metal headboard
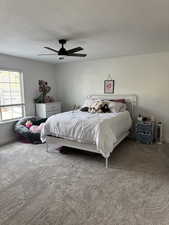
(131, 101)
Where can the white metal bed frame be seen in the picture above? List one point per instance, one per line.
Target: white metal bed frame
(131, 101)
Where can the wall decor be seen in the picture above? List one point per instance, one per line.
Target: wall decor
(109, 86)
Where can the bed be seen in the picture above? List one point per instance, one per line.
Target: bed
(94, 132)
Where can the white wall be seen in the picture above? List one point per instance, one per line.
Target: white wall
(144, 75)
(32, 72)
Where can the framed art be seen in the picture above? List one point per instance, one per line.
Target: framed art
(109, 86)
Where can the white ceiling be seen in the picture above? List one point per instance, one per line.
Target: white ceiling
(105, 28)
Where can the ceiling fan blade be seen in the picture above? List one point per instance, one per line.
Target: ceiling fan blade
(51, 49)
(77, 55)
(70, 51)
(46, 54)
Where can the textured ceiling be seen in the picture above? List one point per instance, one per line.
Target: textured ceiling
(105, 29)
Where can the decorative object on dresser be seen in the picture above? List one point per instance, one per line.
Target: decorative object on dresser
(45, 110)
(145, 131)
(44, 89)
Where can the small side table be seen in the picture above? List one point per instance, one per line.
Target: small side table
(145, 131)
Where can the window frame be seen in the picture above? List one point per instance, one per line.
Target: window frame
(22, 104)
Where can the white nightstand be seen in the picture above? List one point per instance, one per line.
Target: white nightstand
(45, 110)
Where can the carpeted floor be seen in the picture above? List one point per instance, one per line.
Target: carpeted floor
(40, 188)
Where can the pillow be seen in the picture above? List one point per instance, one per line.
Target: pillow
(122, 100)
(116, 107)
(97, 105)
(37, 129)
(88, 102)
(123, 107)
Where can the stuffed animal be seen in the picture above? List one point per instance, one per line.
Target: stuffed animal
(105, 108)
(95, 107)
(28, 124)
(99, 107)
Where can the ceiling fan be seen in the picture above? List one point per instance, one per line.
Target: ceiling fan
(64, 52)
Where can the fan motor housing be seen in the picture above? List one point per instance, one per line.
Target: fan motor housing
(62, 41)
(62, 51)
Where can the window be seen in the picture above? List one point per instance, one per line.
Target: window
(11, 95)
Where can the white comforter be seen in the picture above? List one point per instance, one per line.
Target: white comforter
(101, 129)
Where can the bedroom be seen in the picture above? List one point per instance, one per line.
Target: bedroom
(128, 40)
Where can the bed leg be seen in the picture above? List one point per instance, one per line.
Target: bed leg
(107, 162)
(47, 147)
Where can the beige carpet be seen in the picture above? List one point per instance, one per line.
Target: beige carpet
(40, 188)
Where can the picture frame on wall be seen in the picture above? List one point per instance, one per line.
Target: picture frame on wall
(109, 86)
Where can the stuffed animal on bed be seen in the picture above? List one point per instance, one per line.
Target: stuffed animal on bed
(95, 107)
(99, 107)
(105, 108)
